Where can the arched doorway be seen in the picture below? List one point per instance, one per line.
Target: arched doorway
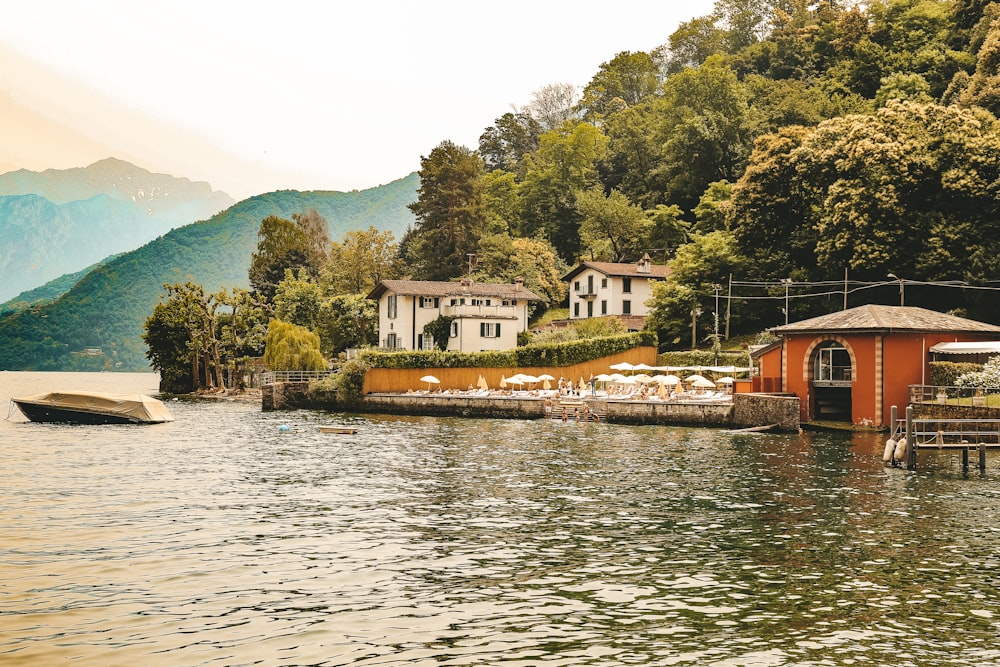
(831, 382)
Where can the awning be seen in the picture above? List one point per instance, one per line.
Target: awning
(970, 347)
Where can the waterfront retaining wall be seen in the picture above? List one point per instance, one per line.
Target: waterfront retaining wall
(745, 411)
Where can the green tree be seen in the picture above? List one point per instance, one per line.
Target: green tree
(348, 321)
(166, 335)
(623, 82)
(449, 210)
(706, 133)
(292, 348)
(362, 261)
(611, 227)
(511, 137)
(281, 245)
(298, 299)
(503, 258)
(701, 265)
(565, 163)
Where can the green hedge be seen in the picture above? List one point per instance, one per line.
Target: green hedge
(946, 373)
(703, 358)
(550, 354)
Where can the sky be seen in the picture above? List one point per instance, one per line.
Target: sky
(255, 97)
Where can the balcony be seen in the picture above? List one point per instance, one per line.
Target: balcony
(485, 312)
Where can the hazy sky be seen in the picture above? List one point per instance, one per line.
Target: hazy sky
(255, 96)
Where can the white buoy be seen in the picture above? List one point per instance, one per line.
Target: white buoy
(890, 447)
(284, 427)
(900, 449)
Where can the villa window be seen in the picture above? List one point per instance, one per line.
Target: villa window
(390, 303)
(626, 307)
(604, 283)
(576, 286)
(604, 307)
(454, 329)
(627, 285)
(576, 309)
(489, 329)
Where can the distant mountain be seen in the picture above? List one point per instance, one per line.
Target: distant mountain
(48, 292)
(160, 195)
(106, 309)
(59, 221)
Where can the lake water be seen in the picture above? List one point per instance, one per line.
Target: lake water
(221, 539)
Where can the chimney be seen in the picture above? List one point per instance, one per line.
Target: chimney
(518, 283)
(643, 265)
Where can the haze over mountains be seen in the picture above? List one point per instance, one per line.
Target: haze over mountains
(94, 320)
(56, 222)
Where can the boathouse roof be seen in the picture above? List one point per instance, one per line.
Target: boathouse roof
(887, 319)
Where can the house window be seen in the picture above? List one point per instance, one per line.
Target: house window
(626, 285)
(604, 283)
(390, 303)
(576, 286)
(426, 343)
(576, 309)
(489, 329)
(590, 284)
(626, 307)
(454, 329)
(428, 302)
(391, 341)
(604, 307)
(590, 309)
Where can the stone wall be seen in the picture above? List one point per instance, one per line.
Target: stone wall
(746, 410)
(761, 409)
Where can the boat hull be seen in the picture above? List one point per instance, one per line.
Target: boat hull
(93, 408)
(51, 415)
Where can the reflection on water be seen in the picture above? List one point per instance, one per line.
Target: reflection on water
(218, 539)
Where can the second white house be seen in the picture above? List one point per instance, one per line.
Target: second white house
(597, 289)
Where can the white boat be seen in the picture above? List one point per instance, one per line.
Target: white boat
(87, 407)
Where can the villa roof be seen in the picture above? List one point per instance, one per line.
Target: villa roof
(887, 319)
(434, 288)
(626, 270)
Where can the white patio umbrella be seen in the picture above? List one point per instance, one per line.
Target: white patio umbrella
(643, 367)
(724, 380)
(430, 379)
(545, 379)
(703, 383)
(694, 378)
(666, 379)
(622, 366)
(643, 378)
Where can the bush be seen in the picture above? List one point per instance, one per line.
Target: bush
(341, 387)
(989, 376)
(549, 354)
(947, 373)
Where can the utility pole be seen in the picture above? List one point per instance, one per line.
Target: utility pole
(729, 304)
(787, 282)
(694, 327)
(895, 277)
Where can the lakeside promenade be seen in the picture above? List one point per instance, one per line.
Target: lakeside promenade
(735, 412)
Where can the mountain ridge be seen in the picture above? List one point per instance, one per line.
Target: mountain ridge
(106, 309)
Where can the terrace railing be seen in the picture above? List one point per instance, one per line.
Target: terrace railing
(270, 377)
(952, 395)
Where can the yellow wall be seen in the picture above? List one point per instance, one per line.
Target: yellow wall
(397, 380)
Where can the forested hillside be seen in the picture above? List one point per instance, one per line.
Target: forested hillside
(59, 221)
(106, 309)
(788, 153)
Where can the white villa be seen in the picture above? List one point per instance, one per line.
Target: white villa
(598, 289)
(487, 316)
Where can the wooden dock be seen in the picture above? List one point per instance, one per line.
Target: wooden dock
(963, 435)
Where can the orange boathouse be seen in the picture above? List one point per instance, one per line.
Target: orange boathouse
(854, 365)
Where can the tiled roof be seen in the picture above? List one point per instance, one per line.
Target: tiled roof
(656, 271)
(443, 289)
(886, 319)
